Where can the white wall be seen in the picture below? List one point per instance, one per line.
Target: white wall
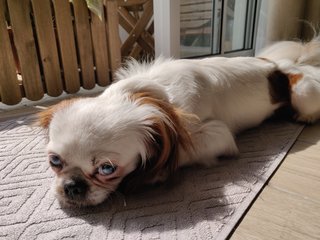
(286, 20)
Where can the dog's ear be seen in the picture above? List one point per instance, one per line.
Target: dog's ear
(168, 134)
(43, 118)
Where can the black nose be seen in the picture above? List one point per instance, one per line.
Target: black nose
(75, 189)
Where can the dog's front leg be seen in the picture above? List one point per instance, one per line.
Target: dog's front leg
(211, 139)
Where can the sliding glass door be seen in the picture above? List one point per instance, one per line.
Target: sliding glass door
(217, 27)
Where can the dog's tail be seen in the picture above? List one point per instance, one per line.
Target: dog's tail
(298, 53)
(301, 63)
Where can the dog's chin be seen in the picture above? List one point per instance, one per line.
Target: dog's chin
(68, 203)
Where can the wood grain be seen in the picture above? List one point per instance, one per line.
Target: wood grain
(145, 40)
(23, 37)
(288, 207)
(100, 48)
(131, 2)
(67, 45)
(84, 37)
(48, 46)
(113, 34)
(9, 86)
(138, 28)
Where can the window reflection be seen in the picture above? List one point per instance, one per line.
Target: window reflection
(239, 25)
(201, 21)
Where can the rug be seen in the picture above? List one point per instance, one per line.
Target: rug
(205, 203)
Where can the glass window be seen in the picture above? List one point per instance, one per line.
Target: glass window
(200, 23)
(206, 24)
(239, 25)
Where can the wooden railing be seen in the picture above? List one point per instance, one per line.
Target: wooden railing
(51, 46)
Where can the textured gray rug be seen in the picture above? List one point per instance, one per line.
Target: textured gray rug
(203, 204)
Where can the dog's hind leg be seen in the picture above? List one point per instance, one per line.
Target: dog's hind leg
(305, 93)
(210, 140)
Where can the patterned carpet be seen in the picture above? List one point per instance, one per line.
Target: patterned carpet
(203, 204)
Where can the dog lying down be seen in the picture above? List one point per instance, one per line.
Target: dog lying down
(163, 115)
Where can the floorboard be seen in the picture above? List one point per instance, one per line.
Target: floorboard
(289, 206)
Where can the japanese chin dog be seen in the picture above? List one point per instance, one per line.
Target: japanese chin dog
(157, 117)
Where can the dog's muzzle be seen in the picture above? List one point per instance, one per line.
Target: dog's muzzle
(75, 188)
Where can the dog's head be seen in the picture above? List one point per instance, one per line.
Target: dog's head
(96, 143)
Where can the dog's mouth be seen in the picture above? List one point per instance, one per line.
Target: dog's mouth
(88, 201)
(65, 202)
(68, 203)
(77, 192)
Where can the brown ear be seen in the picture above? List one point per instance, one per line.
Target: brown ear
(44, 117)
(163, 145)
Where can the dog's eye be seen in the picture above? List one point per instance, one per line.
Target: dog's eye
(55, 161)
(106, 169)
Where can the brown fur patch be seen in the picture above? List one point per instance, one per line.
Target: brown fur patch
(164, 144)
(279, 87)
(294, 78)
(44, 117)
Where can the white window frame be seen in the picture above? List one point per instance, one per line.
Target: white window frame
(167, 30)
(166, 14)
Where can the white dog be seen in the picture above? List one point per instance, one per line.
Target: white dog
(158, 117)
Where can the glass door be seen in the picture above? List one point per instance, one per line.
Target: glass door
(217, 27)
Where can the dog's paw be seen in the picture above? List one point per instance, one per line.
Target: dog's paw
(231, 152)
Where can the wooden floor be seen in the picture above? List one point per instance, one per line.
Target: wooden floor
(289, 206)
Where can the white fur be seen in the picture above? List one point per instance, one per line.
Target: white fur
(300, 58)
(298, 52)
(305, 97)
(227, 95)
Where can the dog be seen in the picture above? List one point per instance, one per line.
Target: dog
(160, 116)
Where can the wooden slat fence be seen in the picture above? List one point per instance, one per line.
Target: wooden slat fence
(51, 46)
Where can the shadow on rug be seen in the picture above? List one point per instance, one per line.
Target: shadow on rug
(205, 203)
